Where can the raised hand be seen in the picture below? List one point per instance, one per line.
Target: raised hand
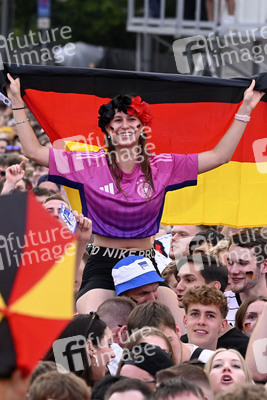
(84, 232)
(84, 227)
(15, 173)
(13, 91)
(251, 97)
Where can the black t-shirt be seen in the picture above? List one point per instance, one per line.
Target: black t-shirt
(233, 339)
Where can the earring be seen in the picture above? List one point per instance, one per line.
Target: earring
(94, 364)
(143, 134)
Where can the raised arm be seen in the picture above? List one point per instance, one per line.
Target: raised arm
(256, 356)
(222, 153)
(14, 174)
(84, 233)
(30, 144)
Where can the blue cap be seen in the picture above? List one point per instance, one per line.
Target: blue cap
(132, 272)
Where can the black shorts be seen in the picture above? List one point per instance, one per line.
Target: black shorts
(97, 271)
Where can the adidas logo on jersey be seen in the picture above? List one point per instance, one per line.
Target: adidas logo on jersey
(108, 188)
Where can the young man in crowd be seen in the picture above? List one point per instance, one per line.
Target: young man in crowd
(157, 315)
(135, 277)
(205, 312)
(115, 312)
(181, 237)
(198, 270)
(247, 267)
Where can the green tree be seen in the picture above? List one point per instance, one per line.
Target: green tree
(99, 22)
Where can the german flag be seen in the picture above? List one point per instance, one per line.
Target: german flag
(37, 266)
(190, 115)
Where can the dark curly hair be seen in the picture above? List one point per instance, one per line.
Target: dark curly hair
(107, 111)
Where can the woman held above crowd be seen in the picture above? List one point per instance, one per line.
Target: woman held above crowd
(127, 216)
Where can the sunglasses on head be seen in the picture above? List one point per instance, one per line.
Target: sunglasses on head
(9, 147)
(93, 316)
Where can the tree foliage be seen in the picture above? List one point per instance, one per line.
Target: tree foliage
(100, 22)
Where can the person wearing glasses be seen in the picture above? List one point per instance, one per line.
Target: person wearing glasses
(13, 149)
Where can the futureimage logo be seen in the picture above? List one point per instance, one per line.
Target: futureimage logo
(71, 353)
(35, 247)
(35, 47)
(193, 54)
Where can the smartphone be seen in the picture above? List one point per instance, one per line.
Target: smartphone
(68, 217)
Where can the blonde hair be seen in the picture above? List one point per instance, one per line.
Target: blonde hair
(208, 365)
(139, 336)
(222, 245)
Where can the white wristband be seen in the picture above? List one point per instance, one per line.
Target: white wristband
(243, 118)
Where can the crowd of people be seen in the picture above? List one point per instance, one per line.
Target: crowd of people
(166, 312)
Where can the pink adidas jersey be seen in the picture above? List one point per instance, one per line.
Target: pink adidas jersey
(137, 212)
